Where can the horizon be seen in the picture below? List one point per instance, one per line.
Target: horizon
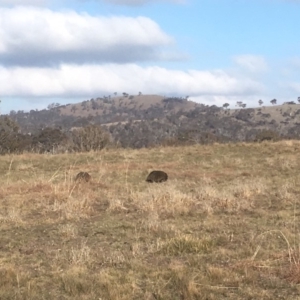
(214, 51)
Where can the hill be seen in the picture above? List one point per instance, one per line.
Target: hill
(148, 120)
(125, 107)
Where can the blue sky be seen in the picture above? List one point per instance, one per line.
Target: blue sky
(215, 51)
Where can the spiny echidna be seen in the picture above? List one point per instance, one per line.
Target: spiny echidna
(83, 176)
(157, 176)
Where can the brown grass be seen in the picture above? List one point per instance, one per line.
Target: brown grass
(225, 224)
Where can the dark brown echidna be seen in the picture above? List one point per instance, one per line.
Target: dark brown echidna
(157, 176)
(83, 176)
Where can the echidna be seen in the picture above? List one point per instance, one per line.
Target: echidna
(157, 176)
(83, 176)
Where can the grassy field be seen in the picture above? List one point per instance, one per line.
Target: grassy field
(224, 226)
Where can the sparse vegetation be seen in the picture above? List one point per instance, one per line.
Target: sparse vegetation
(267, 135)
(224, 226)
(140, 121)
(51, 140)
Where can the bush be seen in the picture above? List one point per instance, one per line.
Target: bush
(267, 135)
(11, 141)
(89, 138)
(49, 140)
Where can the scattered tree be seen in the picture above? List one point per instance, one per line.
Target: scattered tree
(260, 102)
(274, 101)
(239, 103)
(225, 105)
(53, 105)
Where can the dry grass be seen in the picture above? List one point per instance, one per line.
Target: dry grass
(225, 224)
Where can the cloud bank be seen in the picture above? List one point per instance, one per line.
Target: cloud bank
(91, 80)
(34, 36)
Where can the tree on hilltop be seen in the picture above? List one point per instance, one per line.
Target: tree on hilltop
(225, 105)
(239, 103)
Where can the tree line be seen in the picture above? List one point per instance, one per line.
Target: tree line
(260, 102)
(51, 140)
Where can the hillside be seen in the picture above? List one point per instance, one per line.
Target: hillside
(147, 120)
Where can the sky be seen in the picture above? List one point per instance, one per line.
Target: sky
(214, 51)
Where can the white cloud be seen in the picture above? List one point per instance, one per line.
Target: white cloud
(34, 36)
(252, 63)
(89, 80)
